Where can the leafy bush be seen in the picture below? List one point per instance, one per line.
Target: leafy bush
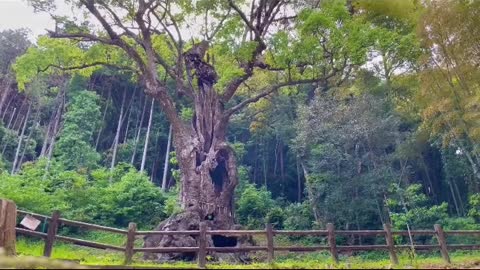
(474, 211)
(461, 223)
(299, 216)
(255, 207)
(412, 207)
(130, 197)
(134, 198)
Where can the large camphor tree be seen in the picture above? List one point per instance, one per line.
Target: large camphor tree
(212, 57)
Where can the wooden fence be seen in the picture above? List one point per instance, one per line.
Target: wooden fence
(201, 250)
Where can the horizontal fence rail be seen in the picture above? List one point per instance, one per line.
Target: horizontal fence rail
(201, 250)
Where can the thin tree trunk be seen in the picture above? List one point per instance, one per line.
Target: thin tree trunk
(8, 127)
(156, 162)
(103, 120)
(265, 154)
(410, 236)
(6, 93)
(128, 125)
(165, 165)
(10, 100)
(427, 174)
(147, 137)
(35, 124)
(460, 202)
(255, 166)
(139, 129)
(316, 212)
(299, 182)
(53, 135)
(47, 136)
(117, 134)
(282, 166)
(5, 142)
(11, 117)
(276, 157)
(380, 213)
(473, 164)
(20, 139)
(51, 123)
(454, 197)
(19, 117)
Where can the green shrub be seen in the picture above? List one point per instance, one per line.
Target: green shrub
(299, 216)
(474, 211)
(130, 197)
(254, 206)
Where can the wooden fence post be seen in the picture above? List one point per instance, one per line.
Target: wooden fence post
(51, 233)
(132, 228)
(202, 245)
(442, 242)
(332, 242)
(270, 248)
(391, 245)
(8, 221)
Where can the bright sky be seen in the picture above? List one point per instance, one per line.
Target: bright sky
(16, 14)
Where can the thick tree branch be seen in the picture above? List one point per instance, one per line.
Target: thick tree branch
(80, 36)
(265, 92)
(98, 63)
(233, 86)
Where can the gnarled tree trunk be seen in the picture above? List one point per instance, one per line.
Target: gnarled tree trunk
(208, 172)
(208, 180)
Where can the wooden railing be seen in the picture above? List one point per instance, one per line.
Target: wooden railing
(330, 233)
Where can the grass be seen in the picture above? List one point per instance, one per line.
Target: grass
(366, 260)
